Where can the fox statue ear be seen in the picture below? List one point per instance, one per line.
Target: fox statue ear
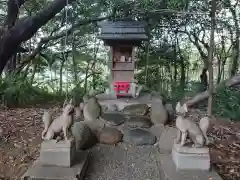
(65, 103)
(178, 107)
(185, 107)
(71, 101)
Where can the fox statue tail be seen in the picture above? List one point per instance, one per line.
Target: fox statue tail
(47, 121)
(204, 124)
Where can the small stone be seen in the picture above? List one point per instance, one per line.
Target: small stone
(136, 109)
(17, 145)
(1, 132)
(114, 118)
(139, 137)
(138, 122)
(109, 136)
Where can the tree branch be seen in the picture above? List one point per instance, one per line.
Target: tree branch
(12, 12)
(71, 29)
(25, 28)
(45, 40)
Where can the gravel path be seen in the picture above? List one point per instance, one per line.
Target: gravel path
(123, 163)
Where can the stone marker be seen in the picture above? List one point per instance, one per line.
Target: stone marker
(168, 171)
(60, 153)
(39, 171)
(166, 140)
(83, 135)
(139, 137)
(158, 113)
(189, 158)
(138, 122)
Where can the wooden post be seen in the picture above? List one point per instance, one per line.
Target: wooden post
(210, 57)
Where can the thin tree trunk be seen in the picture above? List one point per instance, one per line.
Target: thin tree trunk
(74, 61)
(61, 74)
(146, 65)
(86, 78)
(210, 57)
(236, 45)
(33, 73)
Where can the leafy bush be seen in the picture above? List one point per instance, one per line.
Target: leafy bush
(17, 91)
(226, 103)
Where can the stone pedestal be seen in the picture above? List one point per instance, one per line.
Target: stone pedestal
(58, 161)
(168, 171)
(60, 153)
(188, 158)
(40, 171)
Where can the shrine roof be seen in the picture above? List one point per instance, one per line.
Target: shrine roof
(123, 30)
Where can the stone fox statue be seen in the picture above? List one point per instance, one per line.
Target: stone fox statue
(188, 128)
(60, 124)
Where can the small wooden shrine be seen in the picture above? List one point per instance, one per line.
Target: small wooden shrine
(123, 37)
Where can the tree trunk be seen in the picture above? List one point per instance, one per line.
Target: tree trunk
(86, 78)
(204, 79)
(24, 28)
(210, 58)
(61, 74)
(74, 61)
(236, 45)
(182, 66)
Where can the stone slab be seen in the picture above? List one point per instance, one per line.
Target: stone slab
(190, 150)
(60, 153)
(191, 161)
(168, 171)
(39, 171)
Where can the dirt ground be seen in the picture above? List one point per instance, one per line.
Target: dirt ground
(20, 142)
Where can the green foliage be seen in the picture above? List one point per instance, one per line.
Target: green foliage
(226, 103)
(77, 94)
(17, 91)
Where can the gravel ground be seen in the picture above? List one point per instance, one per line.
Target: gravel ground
(123, 163)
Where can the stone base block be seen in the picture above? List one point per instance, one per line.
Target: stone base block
(40, 171)
(168, 171)
(60, 153)
(188, 158)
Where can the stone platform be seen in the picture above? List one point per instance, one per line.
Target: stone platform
(39, 171)
(191, 158)
(168, 171)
